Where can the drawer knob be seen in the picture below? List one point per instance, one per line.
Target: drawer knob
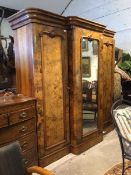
(23, 129)
(23, 115)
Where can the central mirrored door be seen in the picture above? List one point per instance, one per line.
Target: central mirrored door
(89, 56)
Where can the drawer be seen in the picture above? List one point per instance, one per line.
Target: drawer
(21, 115)
(3, 120)
(16, 131)
(30, 157)
(28, 142)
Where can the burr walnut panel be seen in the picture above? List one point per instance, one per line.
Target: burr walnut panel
(53, 89)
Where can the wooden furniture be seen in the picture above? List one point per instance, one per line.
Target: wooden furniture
(18, 122)
(85, 134)
(108, 52)
(49, 66)
(42, 71)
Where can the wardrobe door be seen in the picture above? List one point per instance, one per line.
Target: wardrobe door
(108, 68)
(42, 72)
(55, 91)
(85, 90)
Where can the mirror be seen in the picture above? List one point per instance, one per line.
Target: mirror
(7, 63)
(89, 56)
(7, 55)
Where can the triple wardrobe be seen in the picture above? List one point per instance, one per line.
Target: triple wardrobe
(67, 64)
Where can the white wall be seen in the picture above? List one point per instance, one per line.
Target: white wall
(6, 30)
(115, 14)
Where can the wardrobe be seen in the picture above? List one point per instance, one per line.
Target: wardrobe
(91, 63)
(52, 64)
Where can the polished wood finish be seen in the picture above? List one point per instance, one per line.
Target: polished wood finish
(84, 24)
(48, 67)
(39, 170)
(79, 28)
(108, 77)
(55, 93)
(42, 72)
(18, 118)
(80, 143)
(3, 120)
(37, 16)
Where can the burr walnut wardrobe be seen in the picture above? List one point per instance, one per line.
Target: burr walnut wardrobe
(67, 64)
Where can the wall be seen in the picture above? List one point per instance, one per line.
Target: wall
(6, 30)
(7, 78)
(114, 14)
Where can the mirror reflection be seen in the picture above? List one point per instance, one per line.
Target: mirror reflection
(89, 84)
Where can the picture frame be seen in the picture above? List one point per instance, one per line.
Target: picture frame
(86, 67)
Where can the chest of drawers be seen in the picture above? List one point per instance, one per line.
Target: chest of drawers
(18, 122)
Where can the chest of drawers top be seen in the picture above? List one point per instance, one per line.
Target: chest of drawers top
(15, 109)
(13, 102)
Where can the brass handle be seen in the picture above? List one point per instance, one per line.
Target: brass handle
(23, 129)
(23, 115)
(25, 161)
(24, 145)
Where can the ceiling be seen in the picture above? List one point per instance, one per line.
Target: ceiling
(56, 6)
